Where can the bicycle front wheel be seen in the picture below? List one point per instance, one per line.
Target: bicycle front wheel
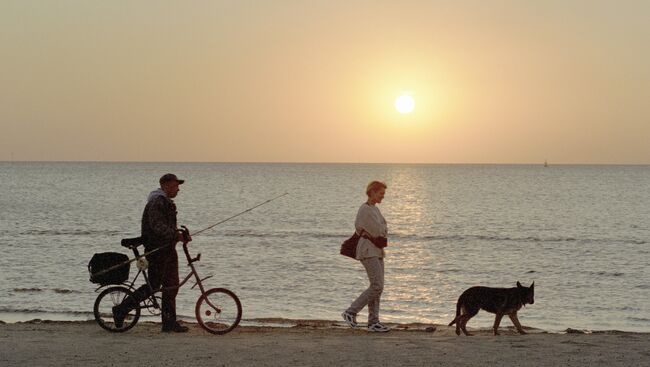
(218, 311)
(103, 309)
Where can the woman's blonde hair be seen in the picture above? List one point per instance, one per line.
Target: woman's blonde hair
(375, 186)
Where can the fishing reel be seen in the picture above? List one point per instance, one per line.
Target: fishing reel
(142, 263)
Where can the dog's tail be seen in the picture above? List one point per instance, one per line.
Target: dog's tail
(457, 314)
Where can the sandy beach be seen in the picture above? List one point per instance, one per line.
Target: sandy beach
(318, 343)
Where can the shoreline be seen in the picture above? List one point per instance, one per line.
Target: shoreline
(63, 343)
(272, 323)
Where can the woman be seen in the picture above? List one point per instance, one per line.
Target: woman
(371, 226)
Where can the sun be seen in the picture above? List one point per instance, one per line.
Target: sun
(404, 104)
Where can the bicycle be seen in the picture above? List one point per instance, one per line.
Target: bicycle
(217, 310)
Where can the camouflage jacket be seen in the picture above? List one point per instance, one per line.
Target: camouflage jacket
(159, 223)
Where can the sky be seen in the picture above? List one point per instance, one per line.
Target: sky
(315, 81)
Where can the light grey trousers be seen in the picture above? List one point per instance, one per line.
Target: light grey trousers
(371, 296)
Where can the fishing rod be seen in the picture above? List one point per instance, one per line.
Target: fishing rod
(186, 235)
(236, 215)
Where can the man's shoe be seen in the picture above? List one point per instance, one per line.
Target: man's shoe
(176, 328)
(378, 328)
(350, 319)
(119, 314)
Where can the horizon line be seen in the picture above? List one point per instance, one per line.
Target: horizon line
(333, 163)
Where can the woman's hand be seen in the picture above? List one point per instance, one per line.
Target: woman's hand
(367, 235)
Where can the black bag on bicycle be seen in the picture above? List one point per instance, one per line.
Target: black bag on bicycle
(109, 268)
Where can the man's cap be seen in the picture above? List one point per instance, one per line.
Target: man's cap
(170, 177)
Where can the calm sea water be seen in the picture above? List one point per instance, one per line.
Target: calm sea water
(580, 232)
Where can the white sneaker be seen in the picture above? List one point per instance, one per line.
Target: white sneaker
(378, 328)
(350, 319)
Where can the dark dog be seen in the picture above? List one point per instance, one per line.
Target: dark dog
(500, 301)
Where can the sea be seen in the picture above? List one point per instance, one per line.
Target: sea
(580, 232)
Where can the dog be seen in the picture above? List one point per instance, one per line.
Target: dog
(499, 301)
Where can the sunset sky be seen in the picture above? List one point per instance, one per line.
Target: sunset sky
(316, 81)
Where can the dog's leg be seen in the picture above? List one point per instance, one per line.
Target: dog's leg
(457, 322)
(463, 322)
(465, 318)
(497, 321)
(515, 321)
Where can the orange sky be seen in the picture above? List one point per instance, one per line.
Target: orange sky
(298, 81)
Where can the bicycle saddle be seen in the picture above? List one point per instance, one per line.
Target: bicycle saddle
(132, 242)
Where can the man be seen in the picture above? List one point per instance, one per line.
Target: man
(159, 231)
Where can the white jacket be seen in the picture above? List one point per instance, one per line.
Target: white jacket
(369, 219)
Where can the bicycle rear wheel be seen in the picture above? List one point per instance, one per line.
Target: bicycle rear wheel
(218, 311)
(103, 309)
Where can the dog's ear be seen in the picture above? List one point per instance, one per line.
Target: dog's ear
(532, 286)
(519, 285)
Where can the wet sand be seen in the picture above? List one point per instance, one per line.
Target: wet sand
(311, 343)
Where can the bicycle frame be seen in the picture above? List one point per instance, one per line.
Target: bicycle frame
(193, 272)
(199, 281)
(217, 310)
